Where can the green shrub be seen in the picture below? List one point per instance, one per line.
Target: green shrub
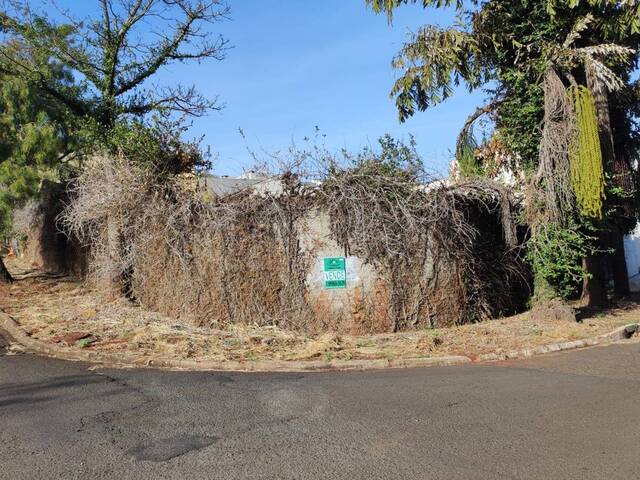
(556, 253)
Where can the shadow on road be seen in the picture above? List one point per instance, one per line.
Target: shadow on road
(12, 394)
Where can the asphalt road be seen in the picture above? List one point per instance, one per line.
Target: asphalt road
(566, 416)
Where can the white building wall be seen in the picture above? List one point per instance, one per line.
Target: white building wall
(632, 254)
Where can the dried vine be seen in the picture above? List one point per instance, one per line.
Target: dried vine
(552, 184)
(428, 245)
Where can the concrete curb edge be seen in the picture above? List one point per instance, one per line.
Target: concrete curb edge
(620, 333)
(126, 360)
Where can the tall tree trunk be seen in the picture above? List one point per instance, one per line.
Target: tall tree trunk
(623, 178)
(601, 98)
(5, 276)
(619, 262)
(594, 293)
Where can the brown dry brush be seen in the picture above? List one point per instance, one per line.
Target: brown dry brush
(214, 261)
(497, 278)
(551, 193)
(179, 250)
(398, 229)
(441, 251)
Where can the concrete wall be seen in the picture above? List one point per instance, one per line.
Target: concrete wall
(364, 304)
(46, 247)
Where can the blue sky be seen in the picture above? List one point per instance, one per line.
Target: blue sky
(297, 64)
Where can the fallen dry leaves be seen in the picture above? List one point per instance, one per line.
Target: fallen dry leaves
(64, 310)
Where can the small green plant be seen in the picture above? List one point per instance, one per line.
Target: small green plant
(328, 355)
(555, 253)
(466, 156)
(395, 158)
(86, 342)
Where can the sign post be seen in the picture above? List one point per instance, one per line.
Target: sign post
(335, 273)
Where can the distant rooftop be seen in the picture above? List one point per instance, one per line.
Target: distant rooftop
(222, 186)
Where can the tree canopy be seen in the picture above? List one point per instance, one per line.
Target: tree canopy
(74, 85)
(116, 53)
(558, 75)
(494, 39)
(36, 135)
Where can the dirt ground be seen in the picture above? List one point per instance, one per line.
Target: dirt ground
(64, 310)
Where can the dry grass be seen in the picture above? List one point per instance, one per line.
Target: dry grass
(48, 307)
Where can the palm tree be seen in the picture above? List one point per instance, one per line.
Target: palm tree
(515, 47)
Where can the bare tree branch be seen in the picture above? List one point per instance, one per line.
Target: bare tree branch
(114, 53)
(168, 49)
(480, 111)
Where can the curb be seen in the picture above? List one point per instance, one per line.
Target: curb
(125, 360)
(621, 333)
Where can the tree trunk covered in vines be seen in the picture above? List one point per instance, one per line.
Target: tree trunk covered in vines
(543, 291)
(601, 99)
(623, 178)
(5, 276)
(594, 293)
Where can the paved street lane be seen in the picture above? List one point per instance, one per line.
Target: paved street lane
(566, 416)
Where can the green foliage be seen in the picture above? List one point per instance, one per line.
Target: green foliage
(430, 74)
(71, 88)
(466, 156)
(34, 142)
(587, 172)
(113, 53)
(395, 158)
(555, 253)
(519, 116)
(158, 142)
(507, 45)
(624, 19)
(388, 6)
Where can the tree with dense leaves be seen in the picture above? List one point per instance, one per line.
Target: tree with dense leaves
(510, 47)
(36, 138)
(90, 79)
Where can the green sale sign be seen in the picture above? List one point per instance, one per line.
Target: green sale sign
(335, 273)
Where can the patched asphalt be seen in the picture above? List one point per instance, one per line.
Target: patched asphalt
(564, 416)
